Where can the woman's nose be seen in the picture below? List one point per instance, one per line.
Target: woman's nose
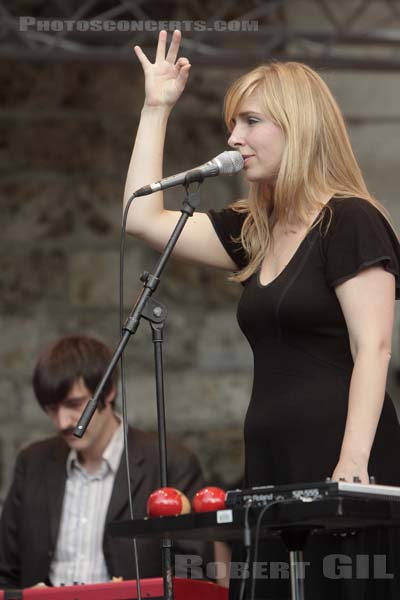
(235, 139)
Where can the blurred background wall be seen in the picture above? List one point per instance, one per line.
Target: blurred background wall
(70, 104)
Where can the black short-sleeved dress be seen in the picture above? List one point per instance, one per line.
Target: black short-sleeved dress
(302, 360)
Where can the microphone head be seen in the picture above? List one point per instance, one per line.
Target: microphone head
(229, 162)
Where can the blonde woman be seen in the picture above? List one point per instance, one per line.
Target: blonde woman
(319, 264)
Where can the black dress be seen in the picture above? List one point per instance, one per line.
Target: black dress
(302, 368)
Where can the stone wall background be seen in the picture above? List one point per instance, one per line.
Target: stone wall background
(66, 132)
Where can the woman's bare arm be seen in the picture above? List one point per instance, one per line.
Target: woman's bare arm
(165, 80)
(367, 301)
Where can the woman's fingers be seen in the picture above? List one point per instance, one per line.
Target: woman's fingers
(162, 43)
(166, 78)
(174, 46)
(161, 48)
(184, 73)
(144, 61)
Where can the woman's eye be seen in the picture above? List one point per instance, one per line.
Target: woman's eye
(252, 120)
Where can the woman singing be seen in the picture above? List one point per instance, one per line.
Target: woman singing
(319, 264)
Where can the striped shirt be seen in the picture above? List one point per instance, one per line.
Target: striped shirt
(79, 557)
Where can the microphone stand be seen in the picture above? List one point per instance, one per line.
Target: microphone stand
(155, 312)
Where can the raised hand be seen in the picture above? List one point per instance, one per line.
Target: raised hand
(166, 78)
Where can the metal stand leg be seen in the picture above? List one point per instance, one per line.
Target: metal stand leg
(295, 542)
(167, 568)
(167, 551)
(296, 574)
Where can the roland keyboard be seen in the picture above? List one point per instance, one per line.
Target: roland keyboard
(308, 492)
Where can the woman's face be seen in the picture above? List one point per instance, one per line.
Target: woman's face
(258, 139)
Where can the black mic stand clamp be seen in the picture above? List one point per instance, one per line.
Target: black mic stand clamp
(155, 312)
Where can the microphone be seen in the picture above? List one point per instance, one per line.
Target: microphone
(226, 163)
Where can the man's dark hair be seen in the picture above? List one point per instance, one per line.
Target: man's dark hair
(65, 362)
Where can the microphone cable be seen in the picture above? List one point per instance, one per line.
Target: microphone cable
(123, 387)
(257, 534)
(247, 545)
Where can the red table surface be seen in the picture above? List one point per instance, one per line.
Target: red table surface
(184, 589)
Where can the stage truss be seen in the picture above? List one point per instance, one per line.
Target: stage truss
(341, 34)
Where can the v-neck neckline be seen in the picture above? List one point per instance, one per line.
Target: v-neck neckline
(295, 253)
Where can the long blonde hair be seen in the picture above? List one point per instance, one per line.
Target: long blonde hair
(317, 159)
